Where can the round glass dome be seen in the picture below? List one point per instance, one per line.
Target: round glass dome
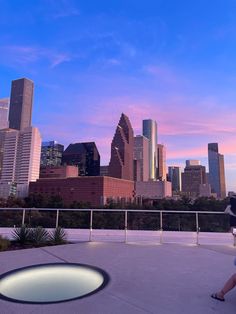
(51, 283)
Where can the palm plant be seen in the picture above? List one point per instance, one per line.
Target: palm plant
(21, 234)
(39, 235)
(58, 236)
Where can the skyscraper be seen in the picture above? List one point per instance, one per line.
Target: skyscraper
(192, 178)
(122, 150)
(21, 158)
(174, 176)
(21, 102)
(141, 154)
(51, 154)
(150, 132)
(85, 156)
(4, 109)
(161, 162)
(216, 170)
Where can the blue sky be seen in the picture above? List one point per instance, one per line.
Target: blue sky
(173, 61)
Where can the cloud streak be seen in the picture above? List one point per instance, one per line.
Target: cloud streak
(26, 55)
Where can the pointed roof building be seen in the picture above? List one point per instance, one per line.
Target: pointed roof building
(122, 148)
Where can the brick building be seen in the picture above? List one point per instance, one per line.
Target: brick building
(94, 190)
(58, 172)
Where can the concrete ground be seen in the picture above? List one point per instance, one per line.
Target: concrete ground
(145, 277)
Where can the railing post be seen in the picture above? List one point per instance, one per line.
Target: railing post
(161, 227)
(126, 225)
(91, 225)
(57, 218)
(197, 229)
(23, 217)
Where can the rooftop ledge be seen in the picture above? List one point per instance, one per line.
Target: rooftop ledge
(145, 276)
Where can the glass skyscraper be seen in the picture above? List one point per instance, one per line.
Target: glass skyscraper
(216, 170)
(150, 132)
(51, 154)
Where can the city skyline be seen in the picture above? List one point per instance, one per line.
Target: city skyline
(146, 62)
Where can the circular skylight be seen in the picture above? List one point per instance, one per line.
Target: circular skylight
(51, 283)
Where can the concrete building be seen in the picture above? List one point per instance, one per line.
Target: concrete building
(216, 170)
(97, 191)
(21, 103)
(174, 176)
(141, 154)
(83, 155)
(58, 172)
(150, 132)
(153, 189)
(122, 150)
(192, 177)
(21, 158)
(161, 162)
(4, 110)
(51, 154)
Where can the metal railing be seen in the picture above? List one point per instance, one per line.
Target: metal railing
(125, 211)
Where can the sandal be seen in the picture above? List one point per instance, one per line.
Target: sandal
(215, 296)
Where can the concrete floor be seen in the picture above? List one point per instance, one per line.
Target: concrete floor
(145, 277)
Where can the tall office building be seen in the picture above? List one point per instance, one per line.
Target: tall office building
(150, 132)
(122, 150)
(21, 102)
(51, 154)
(174, 176)
(4, 110)
(85, 156)
(161, 162)
(216, 170)
(141, 154)
(21, 158)
(192, 178)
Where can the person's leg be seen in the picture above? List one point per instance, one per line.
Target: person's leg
(229, 285)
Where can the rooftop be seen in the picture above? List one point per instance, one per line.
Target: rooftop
(146, 276)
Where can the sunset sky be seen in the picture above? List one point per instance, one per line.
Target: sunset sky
(169, 60)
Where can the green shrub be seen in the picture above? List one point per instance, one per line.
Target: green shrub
(4, 243)
(58, 236)
(39, 235)
(21, 234)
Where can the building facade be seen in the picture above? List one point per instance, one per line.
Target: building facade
(216, 170)
(141, 154)
(21, 103)
(97, 191)
(83, 155)
(174, 176)
(161, 162)
(122, 150)
(4, 110)
(192, 177)
(51, 154)
(150, 132)
(21, 158)
(153, 189)
(58, 172)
